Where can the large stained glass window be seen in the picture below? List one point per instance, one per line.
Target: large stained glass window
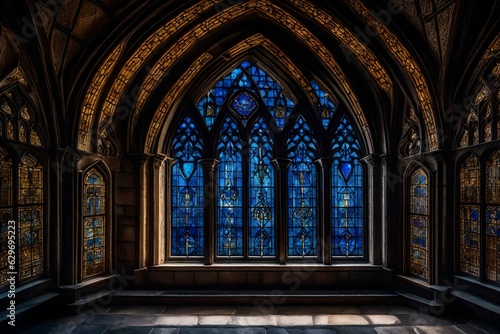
(94, 223)
(470, 216)
(302, 229)
(30, 215)
(5, 213)
(230, 213)
(493, 217)
(261, 209)
(419, 224)
(187, 192)
(347, 193)
(326, 107)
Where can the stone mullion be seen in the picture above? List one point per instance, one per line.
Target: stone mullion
(210, 208)
(325, 209)
(281, 165)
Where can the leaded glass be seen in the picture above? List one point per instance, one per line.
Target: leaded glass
(6, 108)
(302, 231)
(5, 212)
(35, 138)
(10, 130)
(464, 141)
(347, 193)
(22, 134)
(326, 107)
(187, 192)
(262, 221)
(230, 215)
(30, 225)
(94, 223)
(419, 225)
(487, 132)
(25, 114)
(30, 241)
(475, 135)
(493, 217)
(469, 216)
(252, 79)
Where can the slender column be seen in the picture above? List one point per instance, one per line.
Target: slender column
(210, 213)
(387, 213)
(281, 165)
(168, 205)
(374, 212)
(142, 254)
(325, 208)
(157, 234)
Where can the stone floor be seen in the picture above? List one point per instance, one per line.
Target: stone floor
(249, 320)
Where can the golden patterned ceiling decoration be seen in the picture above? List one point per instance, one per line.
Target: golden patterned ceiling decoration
(411, 67)
(494, 49)
(17, 75)
(138, 59)
(161, 112)
(348, 39)
(93, 94)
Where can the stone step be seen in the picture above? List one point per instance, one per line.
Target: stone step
(26, 308)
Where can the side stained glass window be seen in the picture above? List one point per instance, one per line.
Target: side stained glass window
(347, 193)
(94, 223)
(302, 229)
(30, 213)
(469, 216)
(419, 225)
(5, 213)
(187, 192)
(230, 196)
(262, 222)
(493, 217)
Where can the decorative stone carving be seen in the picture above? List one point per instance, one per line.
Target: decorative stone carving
(410, 143)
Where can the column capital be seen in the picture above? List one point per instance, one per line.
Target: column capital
(281, 163)
(371, 159)
(324, 162)
(141, 158)
(209, 163)
(388, 159)
(158, 160)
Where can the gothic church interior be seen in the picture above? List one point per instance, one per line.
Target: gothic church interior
(316, 148)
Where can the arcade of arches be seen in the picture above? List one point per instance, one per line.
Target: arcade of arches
(251, 145)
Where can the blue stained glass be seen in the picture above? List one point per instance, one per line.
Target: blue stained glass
(244, 104)
(230, 216)
(347, 193)
(262, 223)
(187, 192)
(326, 107)
(302, 229)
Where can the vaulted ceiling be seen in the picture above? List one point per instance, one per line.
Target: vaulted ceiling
(85, 57)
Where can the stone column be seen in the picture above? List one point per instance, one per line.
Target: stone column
(168, 204)
(281, 165)
(157, 233)
(373, 209)
(325, 208)
(210, 213)
(441, 245)
(389, 196)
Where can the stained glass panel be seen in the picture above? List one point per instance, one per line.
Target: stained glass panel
(419, 225)
(94, 223)
(302, 229)
(10, 130)
(6, 108)
(347, 193)
(22, 134)
(487, 132)
(30, 241)
(5, 212)
(30, 181)
(262, 223)
(469, 217)
(464, 140)
(493, 217)
(230, 215)
(35, 138)
(187, 192)
(326, 107)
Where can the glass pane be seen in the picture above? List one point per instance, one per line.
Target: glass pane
(30, 241)
(262, 227)
(464, 141)
(22, 134)
(94, 238)
(10, 130)
(5, 216)
(30, 181)
(94, 223)
(230, 208)
(35, 138)
(302, 232)
(493, 217)
(469, 181)
(5, 179)
(94, 192)
(326, 107)
(469, 239)
(419, 228)
(187, 192)
(347, 193)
